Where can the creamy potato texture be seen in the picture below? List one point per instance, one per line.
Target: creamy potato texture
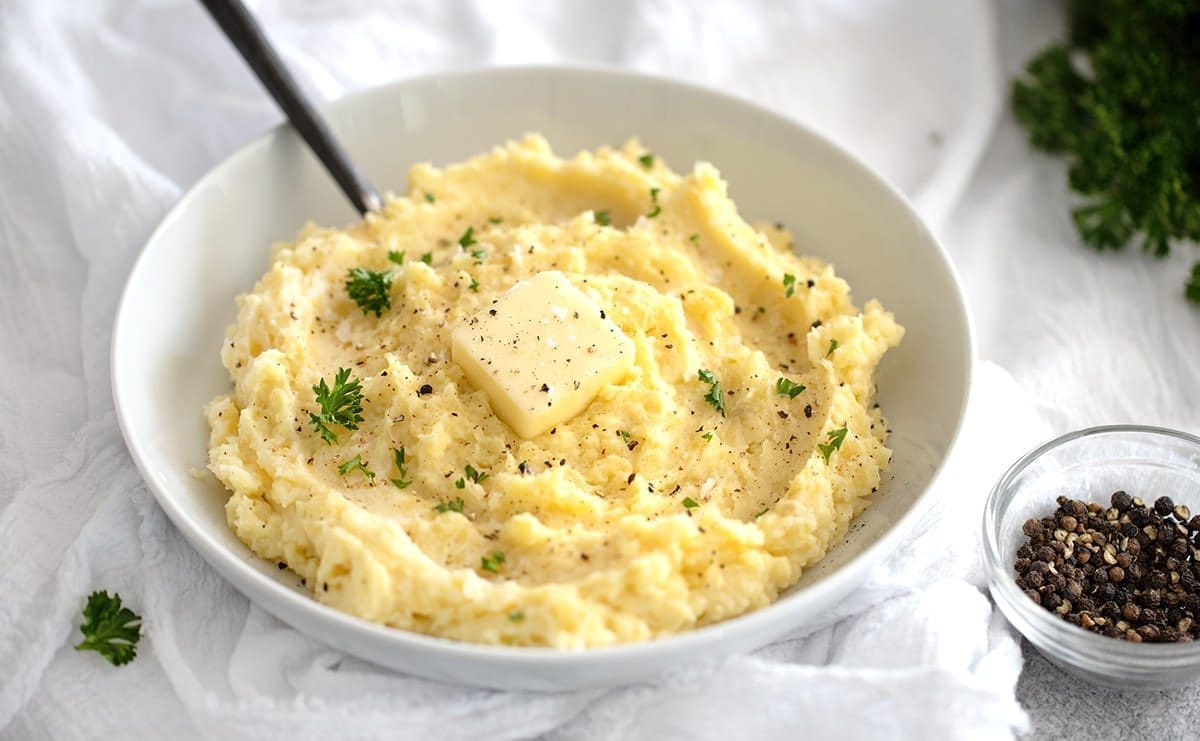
(648, 513)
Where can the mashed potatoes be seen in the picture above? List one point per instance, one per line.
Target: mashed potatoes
(648, 513)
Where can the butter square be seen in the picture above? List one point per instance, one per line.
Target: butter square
(541, 352)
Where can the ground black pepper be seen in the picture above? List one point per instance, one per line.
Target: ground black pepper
(1128, 571)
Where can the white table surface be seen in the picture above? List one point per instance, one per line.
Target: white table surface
(1093, 339)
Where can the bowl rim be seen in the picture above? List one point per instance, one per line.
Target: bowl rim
(271, 594)
(1051, 630)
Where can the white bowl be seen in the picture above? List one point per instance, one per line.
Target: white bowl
(214, 245)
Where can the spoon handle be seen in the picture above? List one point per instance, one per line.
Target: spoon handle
(245, 33)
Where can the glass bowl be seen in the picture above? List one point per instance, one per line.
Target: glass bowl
(1089, 465)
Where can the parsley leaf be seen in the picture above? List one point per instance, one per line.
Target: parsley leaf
(603, 218)
(474, 286)
(708, 436)
(516, 616)
(715, 395)
(427, 258)
(789, 285)
(833, 345)
(402, 481)
(474, 475)
(468, 237)
(492, 563)
(479, 254)
(449, 506)
(495, 220)
(689, 503)
(396, 257)
(693, 238)
(836, 437)
(356, 464)
(429, 197)
(647, 160)
(370, 289)
(657, 208)
(785, 387)
(110, 629)
(341, 405)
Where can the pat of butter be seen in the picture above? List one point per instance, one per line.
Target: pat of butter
(541, 352)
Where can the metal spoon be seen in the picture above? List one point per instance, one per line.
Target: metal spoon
(245, 33)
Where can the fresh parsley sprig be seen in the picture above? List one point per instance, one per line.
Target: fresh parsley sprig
(370, 289)
(341, 405)
(788, 388)
(356, 464)
(716, 395)
(110, 629)
(455, 505)
(835, 437)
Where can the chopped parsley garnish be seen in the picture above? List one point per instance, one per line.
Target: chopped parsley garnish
(492, 563)
(716, 394)
(476, 476)
(401, 481)
(647, 160)
(429, 197)
(341, 405)
(356, 464)
(833, 345)
(110, 629)
(460, 483)
(693, 238)
(603, 218)
(657, 208)
(474, 286)
(836, 437)
(707, 436)
(427, 258)
(495, 220)
(396, 257)
(479, 254)
(785, 387)
(370, 289)
(449, 506)
(789, 285)
(468, 237)
(690, 503)
(516, 616)
(629, 441)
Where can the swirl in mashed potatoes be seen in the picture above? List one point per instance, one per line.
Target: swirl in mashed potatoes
(648, 513)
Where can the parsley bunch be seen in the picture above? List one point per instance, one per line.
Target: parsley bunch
(1120, 99)
(340, 405)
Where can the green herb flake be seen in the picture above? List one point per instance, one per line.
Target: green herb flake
(370, 289)
(836, 437)
(468, 238)
(833, 345)
(396, 257)
(603, 218)
(790, 389)
(690, 503)
(516, 616)
(356, 464)
(474, 285)
(647, 160)
(460, 483)
(492, 563)
(654, 199)
(789, 285)
(495, 220)
(340, 405)
(427, 258)
(449, 506)
(474, 475)
(716, 395)
(429, 197)
(708, 436)
(110, 629)
(693, 238)
(401, 481)
(479, 254)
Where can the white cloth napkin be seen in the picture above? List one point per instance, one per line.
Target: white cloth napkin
(110, 109)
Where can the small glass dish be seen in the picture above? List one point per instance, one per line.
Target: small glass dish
(1089, 465)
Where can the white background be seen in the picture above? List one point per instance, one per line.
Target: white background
(109, 110)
